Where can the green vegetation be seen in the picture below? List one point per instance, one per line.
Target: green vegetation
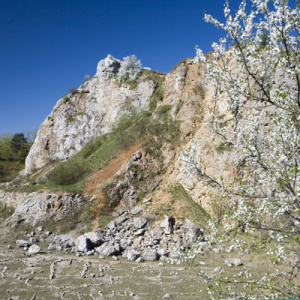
(66, 174)
(93, 210)
(66, 99)
(73, 91)
(199, 90)
(5, 211)
(189, 208)
(87, 77)
(223, 147)
(63, 226)
(13, 151)
(158, 79)
(131, 128)
(9, 169)
(131, 83)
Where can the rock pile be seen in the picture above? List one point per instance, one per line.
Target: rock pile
(135, 238)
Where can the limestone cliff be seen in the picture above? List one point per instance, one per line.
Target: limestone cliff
(93, 109)
(86, 113)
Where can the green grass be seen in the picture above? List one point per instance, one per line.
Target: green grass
(131, 128)
(223, 147)
(159, 80)
(5, 211)
(190, 209)
(91, 211)
(66, 99)
(70, 175)
(63, 226)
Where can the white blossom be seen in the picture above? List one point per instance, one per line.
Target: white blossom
(129, 69)
(260, 77)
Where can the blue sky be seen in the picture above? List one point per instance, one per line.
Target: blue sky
(48, 46)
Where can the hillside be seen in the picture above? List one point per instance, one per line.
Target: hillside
(88, 139)
(113, 172)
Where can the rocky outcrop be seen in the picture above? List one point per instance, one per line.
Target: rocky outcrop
(94, 107)
(140, 174)
(38, 207)
(87, 113)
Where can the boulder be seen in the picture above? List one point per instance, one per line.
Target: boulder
(137, 156)
(136, 210)
(96, 237)
(175, 254)
(157, 234)
(161, 252)
(167, 224)
(22, 243)
(109, 251)
(140, 223)
(83, 244)
(132, 254)
(119, 212)
(121, 220)
(149, 216)
(34, 249)
(90, 240)
(111, 225)
(140, 232)
(33, 240)
(150, 255)
(190, 231)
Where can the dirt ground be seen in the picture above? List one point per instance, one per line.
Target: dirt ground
(60, 275)
(53, 274)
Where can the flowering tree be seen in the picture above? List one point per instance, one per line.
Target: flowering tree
(260, 78)
(130, 68)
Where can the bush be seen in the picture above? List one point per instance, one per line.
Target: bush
(87, 77)
(73, 91)
(66, 173)
(66, 99)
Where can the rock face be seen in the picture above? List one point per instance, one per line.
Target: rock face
(38, 207)
(93, 108)
(86, 113)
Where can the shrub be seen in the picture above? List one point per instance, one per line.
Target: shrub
(87, 77)
(66, 173)
(163, 109)
(73, 91)
(66, 99)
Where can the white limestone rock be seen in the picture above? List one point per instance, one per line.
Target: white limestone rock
(34, 249)
(22, 243)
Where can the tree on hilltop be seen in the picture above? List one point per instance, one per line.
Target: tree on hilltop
(129, 69)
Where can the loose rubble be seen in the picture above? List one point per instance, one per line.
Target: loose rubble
(136, 239)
